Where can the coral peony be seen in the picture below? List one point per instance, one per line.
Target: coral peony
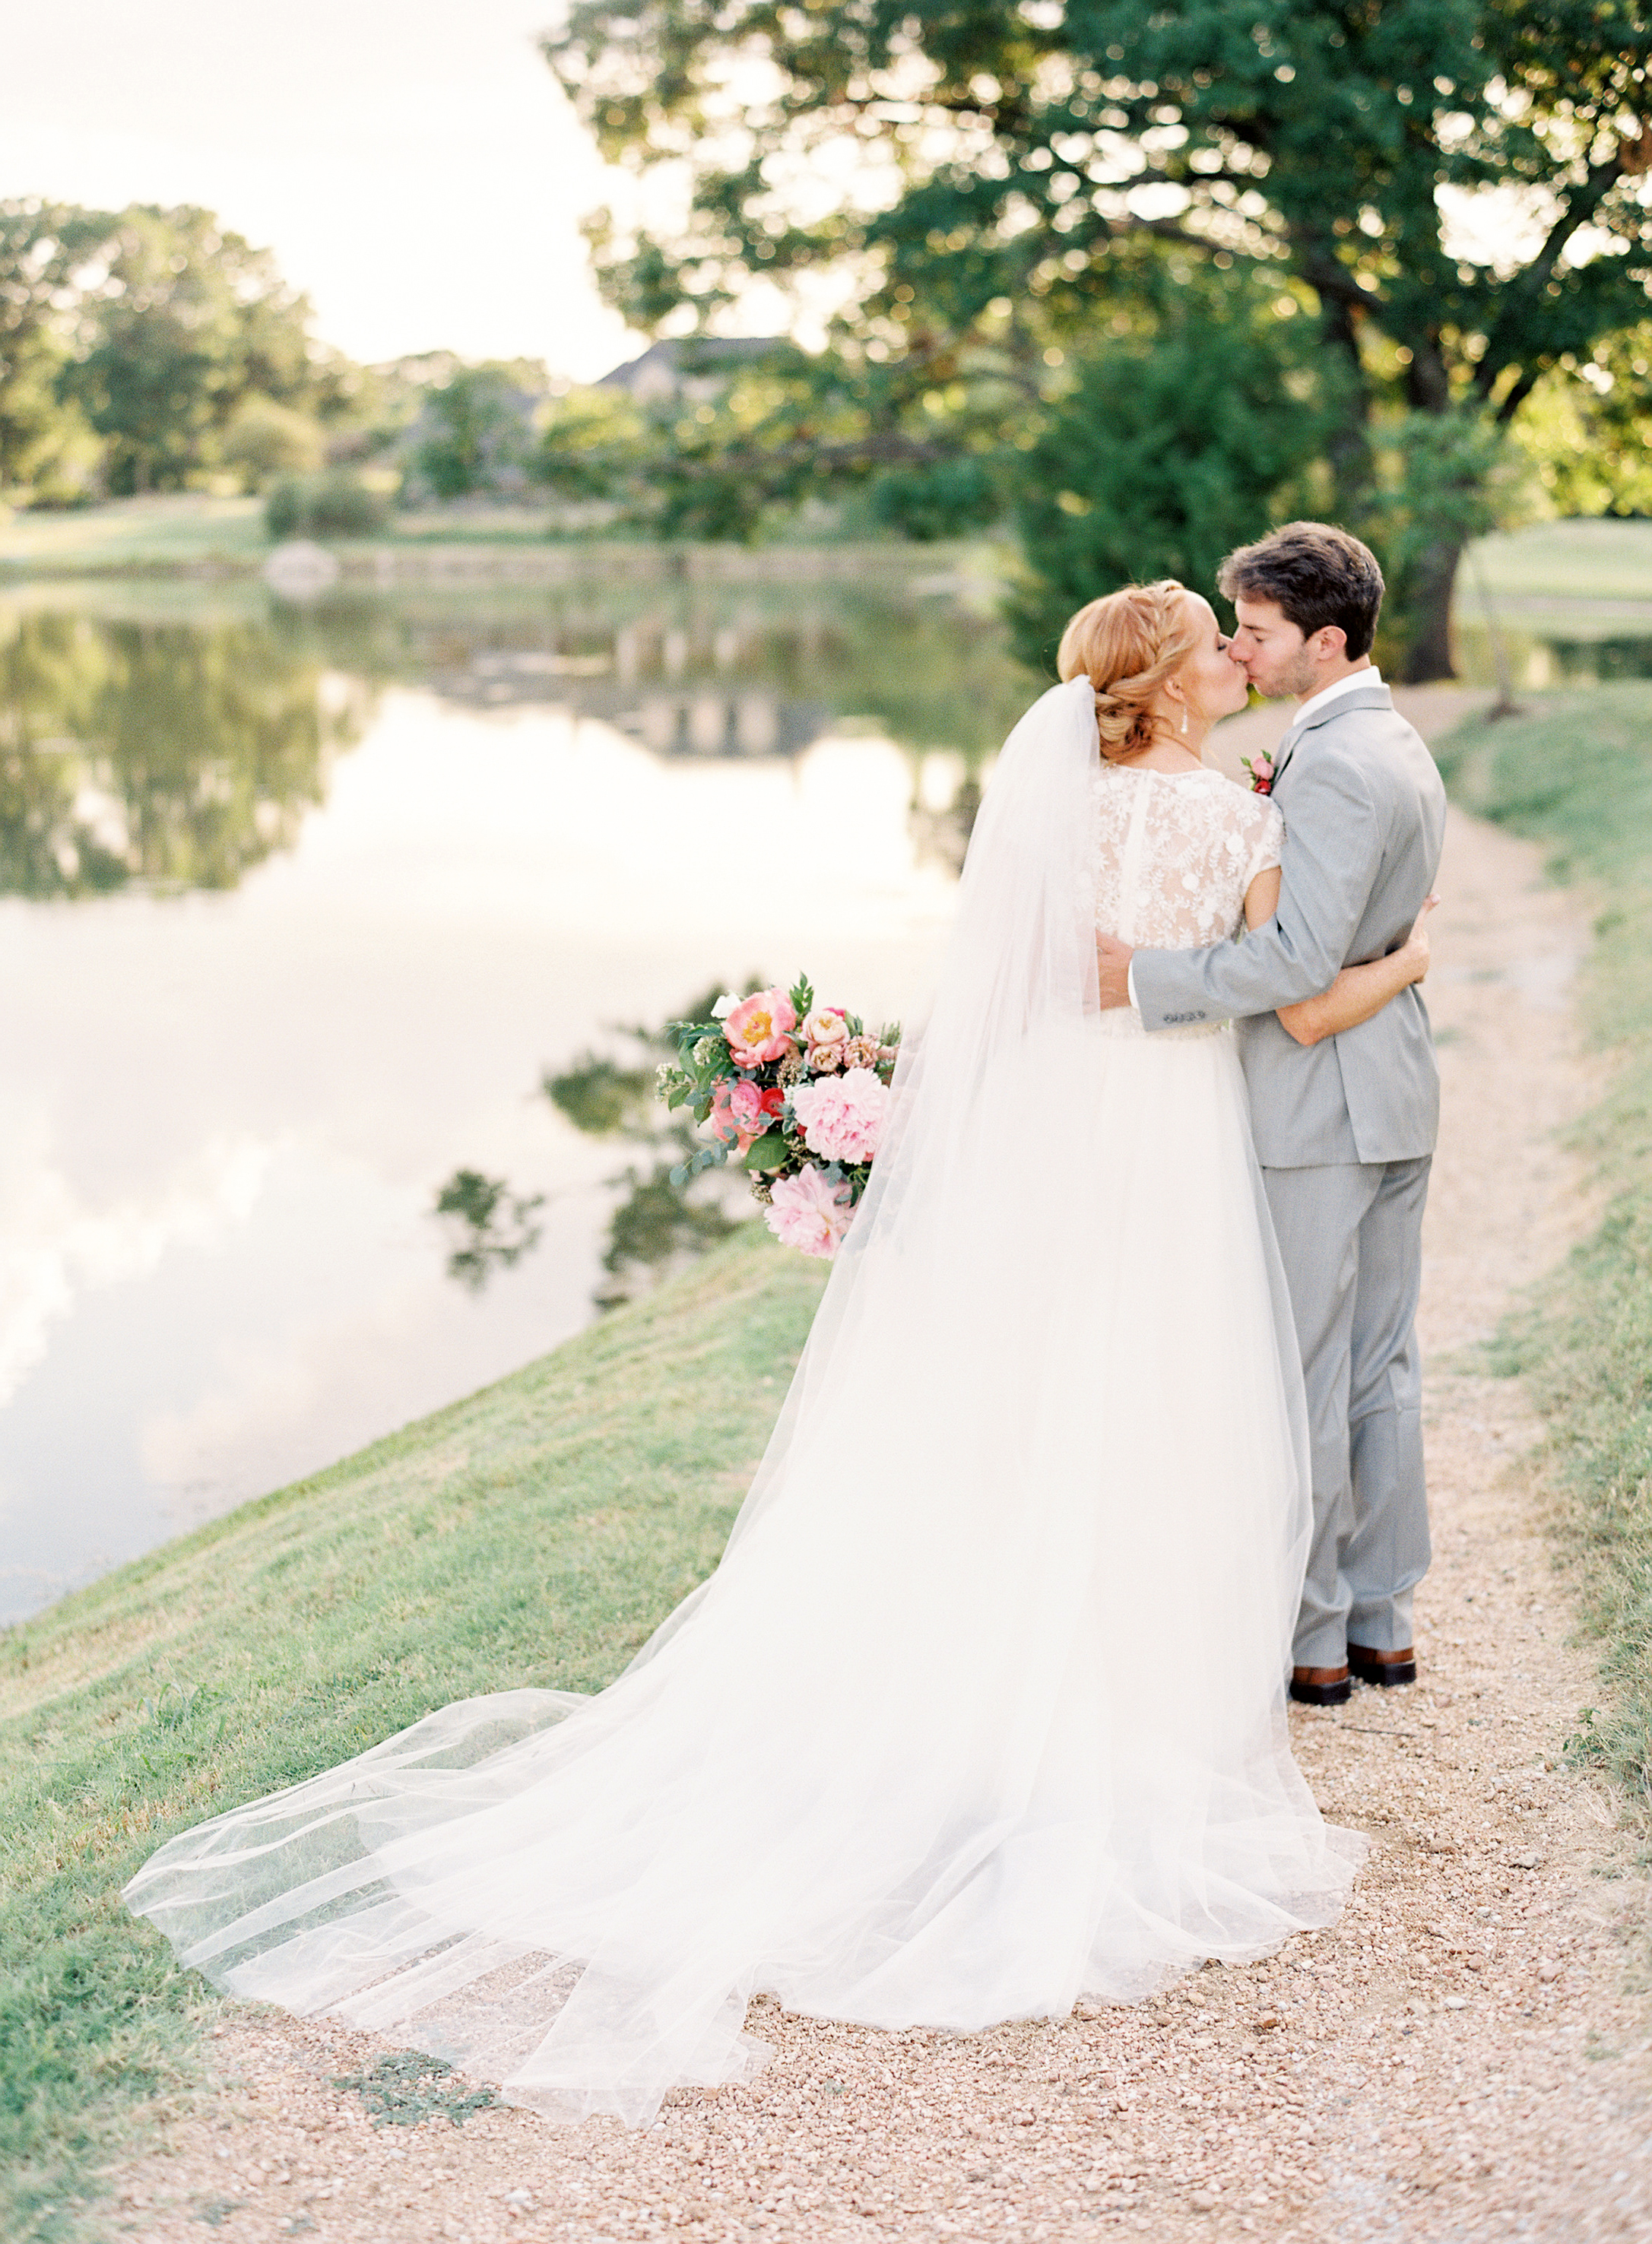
(842, 1116)
(760, 1027)
(808, 1212)
(741, 1112)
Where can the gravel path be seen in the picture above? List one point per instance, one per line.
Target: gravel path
(1466, 2056)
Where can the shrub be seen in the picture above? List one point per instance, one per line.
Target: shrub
(336, 504)
(265, 439)
(947, 500)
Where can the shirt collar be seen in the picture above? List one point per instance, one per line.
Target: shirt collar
(1348, 685)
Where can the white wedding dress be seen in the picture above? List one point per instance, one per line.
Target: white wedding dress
(983, 1707)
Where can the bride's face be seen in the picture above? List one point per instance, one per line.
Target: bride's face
(1212, 682)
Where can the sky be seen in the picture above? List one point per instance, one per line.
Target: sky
(410, 162)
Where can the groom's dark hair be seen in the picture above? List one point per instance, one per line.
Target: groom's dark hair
(1315, 574)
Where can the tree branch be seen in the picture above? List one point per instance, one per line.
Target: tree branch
(879, 449)
(1579, 209)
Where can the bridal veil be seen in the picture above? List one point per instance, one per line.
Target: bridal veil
(983, 1708)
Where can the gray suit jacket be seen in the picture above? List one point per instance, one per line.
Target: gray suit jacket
(1365, 814)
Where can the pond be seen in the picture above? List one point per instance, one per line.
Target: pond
(302, 908)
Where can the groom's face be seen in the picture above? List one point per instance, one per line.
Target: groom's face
(1271, 650)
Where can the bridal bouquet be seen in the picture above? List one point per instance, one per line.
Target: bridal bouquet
(794, 1091)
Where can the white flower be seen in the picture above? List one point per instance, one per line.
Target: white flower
(724, 1006)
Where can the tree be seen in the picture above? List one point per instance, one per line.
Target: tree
(44, 443)
(263, 440)
(717, 458)
(476, 429)
(179, 322)
(1022, 155)
(1588, 428)
(1172, 447)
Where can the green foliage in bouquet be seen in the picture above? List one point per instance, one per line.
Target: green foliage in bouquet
(739, 1070)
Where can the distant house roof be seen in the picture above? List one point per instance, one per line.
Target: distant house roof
(690, 365)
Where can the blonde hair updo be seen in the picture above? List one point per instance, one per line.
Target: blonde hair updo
(1128, 644)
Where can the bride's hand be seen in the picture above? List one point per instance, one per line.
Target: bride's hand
(1416, 943)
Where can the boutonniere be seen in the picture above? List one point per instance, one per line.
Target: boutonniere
(1263, 773)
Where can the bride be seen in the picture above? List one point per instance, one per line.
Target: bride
(983, 1707)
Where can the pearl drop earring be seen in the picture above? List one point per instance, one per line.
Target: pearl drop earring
(1184, 721)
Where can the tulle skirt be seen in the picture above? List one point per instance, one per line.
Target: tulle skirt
(982, 1710)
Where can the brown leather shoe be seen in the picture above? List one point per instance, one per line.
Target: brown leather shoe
(1320, 1687)
(1384, 1668)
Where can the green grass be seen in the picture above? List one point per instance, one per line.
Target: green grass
(1575, 774)
(533, 1535)
(1598, 560)
(192, 534)
(185, 530)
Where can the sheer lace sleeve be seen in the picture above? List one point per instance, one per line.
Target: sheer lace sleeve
(1265, 833)
(1177, 852)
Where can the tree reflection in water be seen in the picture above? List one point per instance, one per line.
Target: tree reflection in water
(173, 737)
(496, 1225)
(656, 1224)
(175, 755)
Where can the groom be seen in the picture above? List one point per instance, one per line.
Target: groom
(1345, 1129)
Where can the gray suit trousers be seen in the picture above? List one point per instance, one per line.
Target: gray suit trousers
(1350, 1236)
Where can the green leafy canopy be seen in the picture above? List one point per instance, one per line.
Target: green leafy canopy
(1012, 149)
(1454, 192)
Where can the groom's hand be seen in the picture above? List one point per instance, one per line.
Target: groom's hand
(1113, 966)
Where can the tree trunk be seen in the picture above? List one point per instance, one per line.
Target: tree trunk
(1432, 573)
(1428, 656)
(1348, 447)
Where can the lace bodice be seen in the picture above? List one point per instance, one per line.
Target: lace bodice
(1178, 850)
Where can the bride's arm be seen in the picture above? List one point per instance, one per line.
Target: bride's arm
(1358, 992)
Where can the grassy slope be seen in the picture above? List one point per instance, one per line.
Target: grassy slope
(533, 1535)
(1575, 773)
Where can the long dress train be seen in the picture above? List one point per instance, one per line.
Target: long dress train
(983, 1707)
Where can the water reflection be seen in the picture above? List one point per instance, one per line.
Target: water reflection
(231, 1273)
(495, 1226)
(171, 738)
(655, 1225)
(167, 755)
(140, 745)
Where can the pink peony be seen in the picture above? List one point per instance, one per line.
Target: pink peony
(760, 1027)
(741, 1112)
(808, 1212)
(842, 1115)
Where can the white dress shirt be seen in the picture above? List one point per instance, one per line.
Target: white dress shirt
(1369, 676)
